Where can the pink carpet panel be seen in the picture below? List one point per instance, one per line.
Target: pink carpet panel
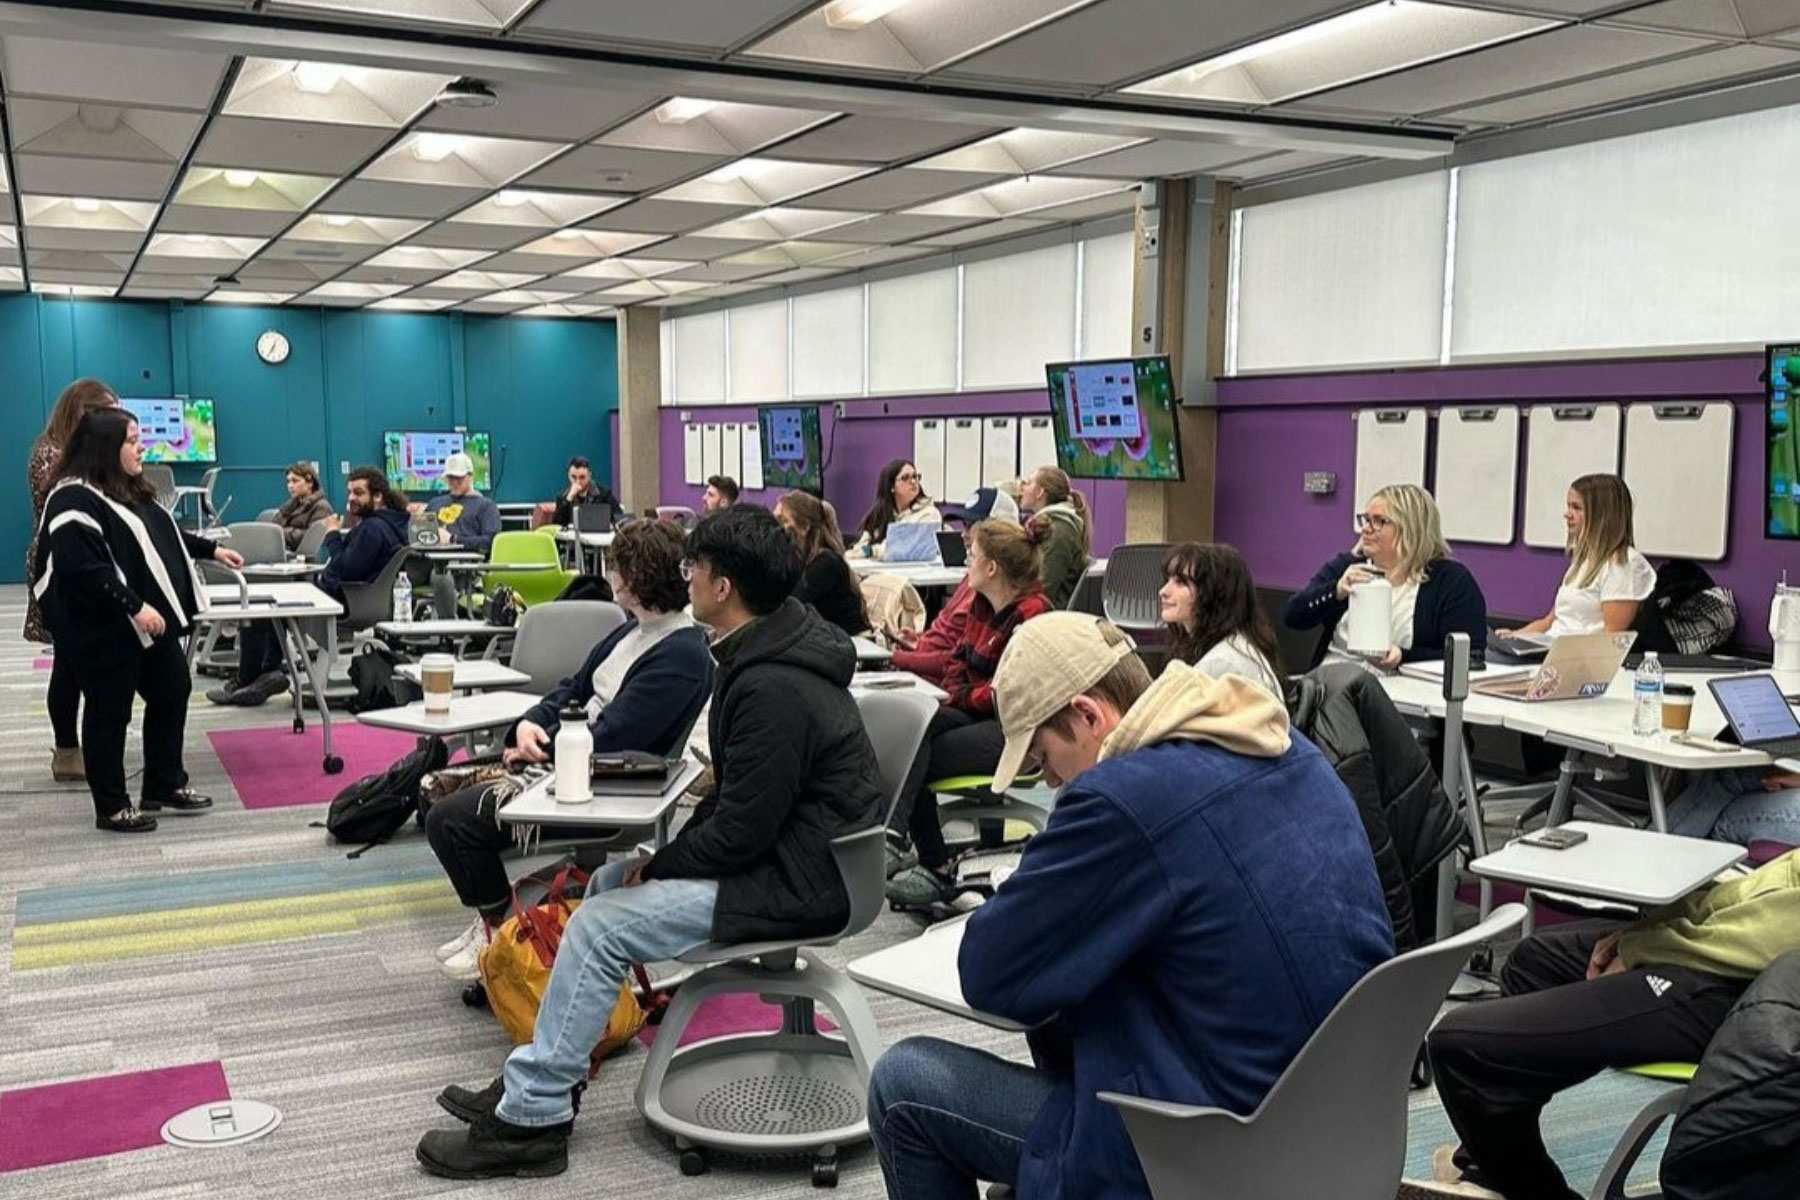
(59, 1122)
(276, 767)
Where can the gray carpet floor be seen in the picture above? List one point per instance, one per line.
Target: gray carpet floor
(352, 1031)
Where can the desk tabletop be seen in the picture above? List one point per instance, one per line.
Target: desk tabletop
(875, 681)
(289, 600)
(608, 807)
(1637, 866)
(924, 970)
(281, 570)
(475, 674)
(602, 540)
(467, 714)
(868, 652)
(479, 568)
(446, 553)
(448, 627)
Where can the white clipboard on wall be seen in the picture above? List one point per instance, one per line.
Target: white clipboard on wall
(1678, 467)
(1562, 443)
(1390, 448)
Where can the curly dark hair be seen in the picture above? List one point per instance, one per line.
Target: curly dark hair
(1224, 602)
(646, 556)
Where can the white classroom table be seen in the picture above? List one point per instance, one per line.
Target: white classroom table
(868, 652)
(299, 611)
(446, 629)
(281, 571)
(935, 574)
(466, 714)
(599, 543)
(470, 675)
(440, 552)
(864, 682)
(615, 804)
(1633, 866)
(924, 970)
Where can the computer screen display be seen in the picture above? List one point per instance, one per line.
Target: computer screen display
(415, 458)
(175, 429)
(1757, 710)
(1115, 419)
(1781, 515)
(792, 452)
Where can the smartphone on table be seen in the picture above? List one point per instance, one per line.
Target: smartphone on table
(1555, 838)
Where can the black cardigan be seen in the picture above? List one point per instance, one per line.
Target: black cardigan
(659, 698)
(1449, 601)
(827, 586)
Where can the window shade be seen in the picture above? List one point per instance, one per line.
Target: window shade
(912, 333)
(759, 352)
(698, 353)
(828, 343)
(1018, 314)
(1106, 296)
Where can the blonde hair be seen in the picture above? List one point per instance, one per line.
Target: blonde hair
(1418, 533)
(1054, 483)
(1010, 548)
(1606, 533)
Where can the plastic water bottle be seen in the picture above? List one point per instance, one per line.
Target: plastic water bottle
(402, 600)
(1646, 696)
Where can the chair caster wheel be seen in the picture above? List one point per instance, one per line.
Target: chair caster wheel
(475, 995)
(693, 1162)
(1482, 962)
(299, 725)
(333, 765)
(825, 1171)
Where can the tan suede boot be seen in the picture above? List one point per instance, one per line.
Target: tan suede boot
(66, 765)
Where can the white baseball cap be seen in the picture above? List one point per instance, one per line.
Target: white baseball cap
(1049, 660)
(460, 465)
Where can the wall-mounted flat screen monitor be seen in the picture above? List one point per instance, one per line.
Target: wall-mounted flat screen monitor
(1781, 515)
(175, 429)
(415, 458)
(793, 455)
(1115, 418)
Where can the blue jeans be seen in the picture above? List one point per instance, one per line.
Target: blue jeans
(614, 927)
(944, 1116)
(1731, 806)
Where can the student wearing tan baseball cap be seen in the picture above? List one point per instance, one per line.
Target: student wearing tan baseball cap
(1202, 896)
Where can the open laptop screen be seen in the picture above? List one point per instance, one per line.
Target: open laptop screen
(1756, 708)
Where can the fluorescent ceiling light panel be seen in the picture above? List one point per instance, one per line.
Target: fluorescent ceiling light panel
(71, 289)
(914, 38)
(459, 160)
(855, 14)
(349, 229)
(411, 304)
(1373, 40)
(355, 291)
(434, 147)
(535, 210)
(423, 258)
(482, 281)
(682, 109)
(269, 191)
(481, 14)
(330, 93)
(202, 245)
(234, 296)
(62, 212)
(762, 181)
(316, 78)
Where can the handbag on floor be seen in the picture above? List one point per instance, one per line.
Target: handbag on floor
(515, 965)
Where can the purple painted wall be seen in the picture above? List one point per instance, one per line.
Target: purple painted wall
(1273, 429)
(872, 432)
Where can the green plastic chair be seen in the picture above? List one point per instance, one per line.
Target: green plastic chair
(972, 798)
(526, 546)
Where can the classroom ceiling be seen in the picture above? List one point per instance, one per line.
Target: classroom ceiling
(312, 151)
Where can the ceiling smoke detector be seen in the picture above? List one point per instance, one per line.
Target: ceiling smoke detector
(467, 93)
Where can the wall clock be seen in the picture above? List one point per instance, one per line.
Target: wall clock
(272, 346)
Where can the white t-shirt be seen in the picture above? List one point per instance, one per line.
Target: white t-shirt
(1400, 625)
(610, 674)
(1236, 656)
(1578, 608)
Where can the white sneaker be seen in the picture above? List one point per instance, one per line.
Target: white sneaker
(464, 965)
(460, 942)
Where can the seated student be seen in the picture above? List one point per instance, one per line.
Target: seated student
(721, 493)
(793, 770)
(826, 580)
(928, 654)
(642, 686)
(1607, 578)
(964, 738)
(1434, 595)
(1578, 999)
(1201, 898)
(583, 490)
(1209, 604)
(305, 505)
(1754, 804)
(468, 518)
(377, 516)
(1059, 521)
(899, 499)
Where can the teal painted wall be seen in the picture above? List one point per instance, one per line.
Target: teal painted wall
(542, 389)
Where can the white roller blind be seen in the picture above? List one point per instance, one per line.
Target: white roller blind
(828, 343)
(759, 352)
(1679, 237)
(1344, 278)
(912, 333)
(1018, 314)
(698, 354)
(1106, 296)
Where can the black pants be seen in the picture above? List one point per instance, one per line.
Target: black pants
(259, 651)
(956, 743)
(108, 683)
(1499, 1063)
(469, 840)
(64, 702)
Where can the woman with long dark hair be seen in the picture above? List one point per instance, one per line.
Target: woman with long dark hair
(1209, 604)
(117, 582)
(826, 580)
(900, 499)
(64, 700)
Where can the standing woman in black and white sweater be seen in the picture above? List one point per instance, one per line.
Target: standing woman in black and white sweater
(116, 580)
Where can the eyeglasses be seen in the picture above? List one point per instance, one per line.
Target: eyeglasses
(1372, 521)
(687, 570)
(907, 477)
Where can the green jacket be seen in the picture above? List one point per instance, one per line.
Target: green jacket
(1065, 562)
(1734, 928)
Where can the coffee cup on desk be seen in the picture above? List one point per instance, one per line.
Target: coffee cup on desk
(1677, 707)
(437, 674)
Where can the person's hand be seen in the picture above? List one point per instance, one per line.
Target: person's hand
(1389, 661)
(230, 558)
(1776, 781)
(415, 508)
(1605, 958)
(1506, 633)
(529, 742)
(634, 872)
(333, 523)
(1355, 573)
(149, 620)
(909, 638)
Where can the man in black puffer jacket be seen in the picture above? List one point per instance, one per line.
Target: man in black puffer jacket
(1411, 824)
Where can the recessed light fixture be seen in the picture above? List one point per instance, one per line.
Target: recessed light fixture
(566, 235)
(855, 14)
(683, 109)
(195, 238)
(315, 78)
(85, 204)
(508, 198)
(731, 172)
(240, 179)
(433, 147)
(338, 220)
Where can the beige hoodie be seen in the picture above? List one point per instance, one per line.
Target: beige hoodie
(1185, 705)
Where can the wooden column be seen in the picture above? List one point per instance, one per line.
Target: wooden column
(639, 485)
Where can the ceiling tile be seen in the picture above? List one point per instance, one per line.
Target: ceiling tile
(101, 73)
(439, 260)
(378, 198)
(1159, 160)
(11, 279)
(330, 93)
(694, 248)
(458, 160)
(658, 215)
(166, 287)
(916, 38)
(476, 237)
(567, 310)
(596, 168)
(1090, 209)
(63, 212)
(724, 128)
(798, 275)
(898, 227)
(1025, 152)
(239, 296)
(536, 210)
(479, 14)
(296, 147)
(189, 252)
(108, 179)
(412, 303)
(319, 255)
(781, 224)
(63, 127)
(289, 274)
(529, 110)
(875, 140)
(227, 222)
(692, 24)
(65, 261)
(1283, 163)
(762, 181)
(261, 191)
(76, 283)
(341, 293)
(532, 266)
(875, 256)
(1679, 74)
(569, 284)
(466, 282)
(985, 232)
(585, 243)
(902, 187)
(629, 268)
(119, 240)
(351, 229)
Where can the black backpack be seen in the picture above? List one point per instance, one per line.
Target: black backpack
(587, 587)
(373, 809)
(503, 607)
(372, 673)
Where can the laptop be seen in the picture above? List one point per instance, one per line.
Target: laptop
(911, 543)
(952, 549)
(1579, 666)
(1520, 647)
(1758, 714)
(593, 517)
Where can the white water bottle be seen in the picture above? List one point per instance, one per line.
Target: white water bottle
(1646, 696)
(402, 600)
(574, 758)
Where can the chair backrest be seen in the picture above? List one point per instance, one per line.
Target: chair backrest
(312, 541)
(368, 604)
(895, 721)
(1344, 1096)
(208, 479)
(681, 514)
(523, 546)
(1081, 580)
(861, 859)
(268, 514)
(554, 639)
(257, 541)
(1133, 578)
(161, 477)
